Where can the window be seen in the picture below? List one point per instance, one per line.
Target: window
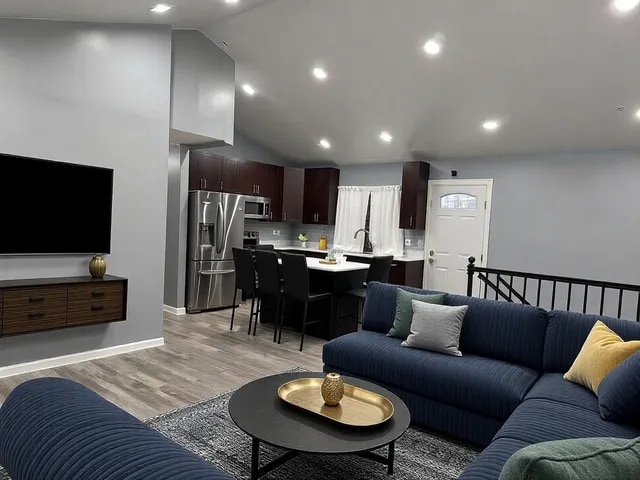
(459, 200)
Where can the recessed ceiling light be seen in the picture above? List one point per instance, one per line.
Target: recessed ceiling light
(638, 114)
(433, 47)
(320, 73)
(324, 143)
(161, 8)
(231, 1)
(248, 89)
(386, 137)
(491, 125)
(624, 6)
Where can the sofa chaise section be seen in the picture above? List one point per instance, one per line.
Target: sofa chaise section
(56, 428)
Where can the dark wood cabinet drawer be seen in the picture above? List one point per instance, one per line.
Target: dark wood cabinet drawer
(34, 309)
(97, 292)
(35, 298)
(94, 311)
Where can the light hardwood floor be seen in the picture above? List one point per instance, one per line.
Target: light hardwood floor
(201, 358)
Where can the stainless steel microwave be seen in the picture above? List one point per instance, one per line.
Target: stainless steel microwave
(257, 208)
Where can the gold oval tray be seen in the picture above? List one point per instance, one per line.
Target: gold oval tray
(328, 262)
(358, 407)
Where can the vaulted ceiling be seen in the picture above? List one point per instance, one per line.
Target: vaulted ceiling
(551, 72)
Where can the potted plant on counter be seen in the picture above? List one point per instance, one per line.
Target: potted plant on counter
(304, 238)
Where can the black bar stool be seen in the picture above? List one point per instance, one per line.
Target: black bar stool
(245, 281)
(269, 282)
(378, 272)
(296, 287)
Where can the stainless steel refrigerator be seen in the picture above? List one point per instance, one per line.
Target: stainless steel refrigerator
(216, 225)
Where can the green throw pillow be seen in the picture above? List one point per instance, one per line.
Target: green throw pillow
(404, 311)
(576, 459)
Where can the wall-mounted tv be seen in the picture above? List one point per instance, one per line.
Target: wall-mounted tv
(49, 207)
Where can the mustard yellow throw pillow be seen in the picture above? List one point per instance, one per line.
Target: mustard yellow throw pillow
(602, 351)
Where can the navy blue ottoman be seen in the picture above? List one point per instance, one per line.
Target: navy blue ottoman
(57, 429)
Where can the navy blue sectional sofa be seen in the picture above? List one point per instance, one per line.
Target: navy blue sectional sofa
(56, 428)
(504, 393)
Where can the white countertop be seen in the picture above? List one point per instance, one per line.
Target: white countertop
(397, 258)
(314, 264)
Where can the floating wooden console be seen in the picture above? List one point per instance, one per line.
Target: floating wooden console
(35, 305)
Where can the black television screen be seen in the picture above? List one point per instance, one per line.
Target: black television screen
(50, 207)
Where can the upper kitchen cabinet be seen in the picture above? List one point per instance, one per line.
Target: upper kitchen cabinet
(273, 189)
(320, 195)
(202, 91)
(253, 178)
(413, 204)
(292, 195)
(205, 171)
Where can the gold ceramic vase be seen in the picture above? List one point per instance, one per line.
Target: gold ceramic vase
(97, 267)
(332, 389)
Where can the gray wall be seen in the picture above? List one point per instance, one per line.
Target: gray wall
(365, 175)
(571, 214)
(175, 268)
(203, 90)
(246, 149)
(96, 94)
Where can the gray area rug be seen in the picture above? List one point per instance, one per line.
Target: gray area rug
(206, 429)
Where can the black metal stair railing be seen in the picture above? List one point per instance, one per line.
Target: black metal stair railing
(566, 293)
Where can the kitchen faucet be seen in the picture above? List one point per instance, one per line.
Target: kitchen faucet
(367, 248)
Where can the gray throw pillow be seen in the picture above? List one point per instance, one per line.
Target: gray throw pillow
(436, 328)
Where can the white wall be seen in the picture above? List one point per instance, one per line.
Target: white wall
(94, 94)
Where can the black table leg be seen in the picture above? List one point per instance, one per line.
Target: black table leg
(255, 459)
(390, 458)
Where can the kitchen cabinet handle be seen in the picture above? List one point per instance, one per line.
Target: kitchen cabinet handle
(97, 294)
(36, 299)
(270, 215)
(284, 216)
(36, 315)
(205, 183)
(221, 185)
(411, 221)
(201, 183)
(258, 189)
(97, 308)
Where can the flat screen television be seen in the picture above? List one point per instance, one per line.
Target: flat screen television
(49, 207)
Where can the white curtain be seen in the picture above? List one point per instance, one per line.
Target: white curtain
(351, 213)
(385, 234)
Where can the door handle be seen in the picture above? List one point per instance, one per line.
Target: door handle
(432, 260)
(220, 227)
(216, 272)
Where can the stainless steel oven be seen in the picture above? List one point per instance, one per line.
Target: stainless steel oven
(257, 208)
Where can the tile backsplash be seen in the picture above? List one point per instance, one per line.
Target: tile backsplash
(289, 235)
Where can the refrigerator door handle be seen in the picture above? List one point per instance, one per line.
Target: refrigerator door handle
(221, 228)
(216, 272)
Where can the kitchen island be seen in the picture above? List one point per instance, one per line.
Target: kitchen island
(340, 313)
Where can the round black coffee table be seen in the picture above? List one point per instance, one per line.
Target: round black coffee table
(260, 413)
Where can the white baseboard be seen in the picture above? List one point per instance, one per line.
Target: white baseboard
(27, 367)
(174, 310)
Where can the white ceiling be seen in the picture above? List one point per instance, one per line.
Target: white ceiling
(553, 71)
(186, 14)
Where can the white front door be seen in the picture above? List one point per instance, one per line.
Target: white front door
(458, 214)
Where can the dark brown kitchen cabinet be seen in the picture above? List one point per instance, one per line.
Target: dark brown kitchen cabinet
(320, 195)
(272, 188)
(231, 175)
(252, 178)
(205, 171)
(292, 195)
(413, 203)
(407, 273)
